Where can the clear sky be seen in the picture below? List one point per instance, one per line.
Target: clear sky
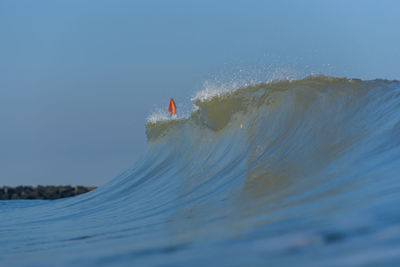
(79, 78)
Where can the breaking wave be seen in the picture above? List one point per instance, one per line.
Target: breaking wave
(289, 172)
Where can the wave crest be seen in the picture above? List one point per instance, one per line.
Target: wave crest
(214, 109)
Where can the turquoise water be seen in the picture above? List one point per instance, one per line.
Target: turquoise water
(300, 172)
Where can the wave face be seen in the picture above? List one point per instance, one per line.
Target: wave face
(302, 172)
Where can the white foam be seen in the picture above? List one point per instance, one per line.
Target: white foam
(211, 90)
(219, 86)
(159, 115)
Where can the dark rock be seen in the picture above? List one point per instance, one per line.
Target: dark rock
(42, 192)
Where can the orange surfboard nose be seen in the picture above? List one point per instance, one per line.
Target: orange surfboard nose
(171, 107)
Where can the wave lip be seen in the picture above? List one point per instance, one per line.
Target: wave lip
(214, 108)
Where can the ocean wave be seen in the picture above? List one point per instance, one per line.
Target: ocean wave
(284, 172)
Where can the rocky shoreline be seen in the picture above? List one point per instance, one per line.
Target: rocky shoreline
(42, 192)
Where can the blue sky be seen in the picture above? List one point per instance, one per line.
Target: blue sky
(79, 78)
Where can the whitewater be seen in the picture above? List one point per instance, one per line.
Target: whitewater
(299, 172)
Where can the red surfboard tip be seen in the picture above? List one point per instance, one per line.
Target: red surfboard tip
(171, 107)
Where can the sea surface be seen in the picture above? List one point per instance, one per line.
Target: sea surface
(286, 173)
